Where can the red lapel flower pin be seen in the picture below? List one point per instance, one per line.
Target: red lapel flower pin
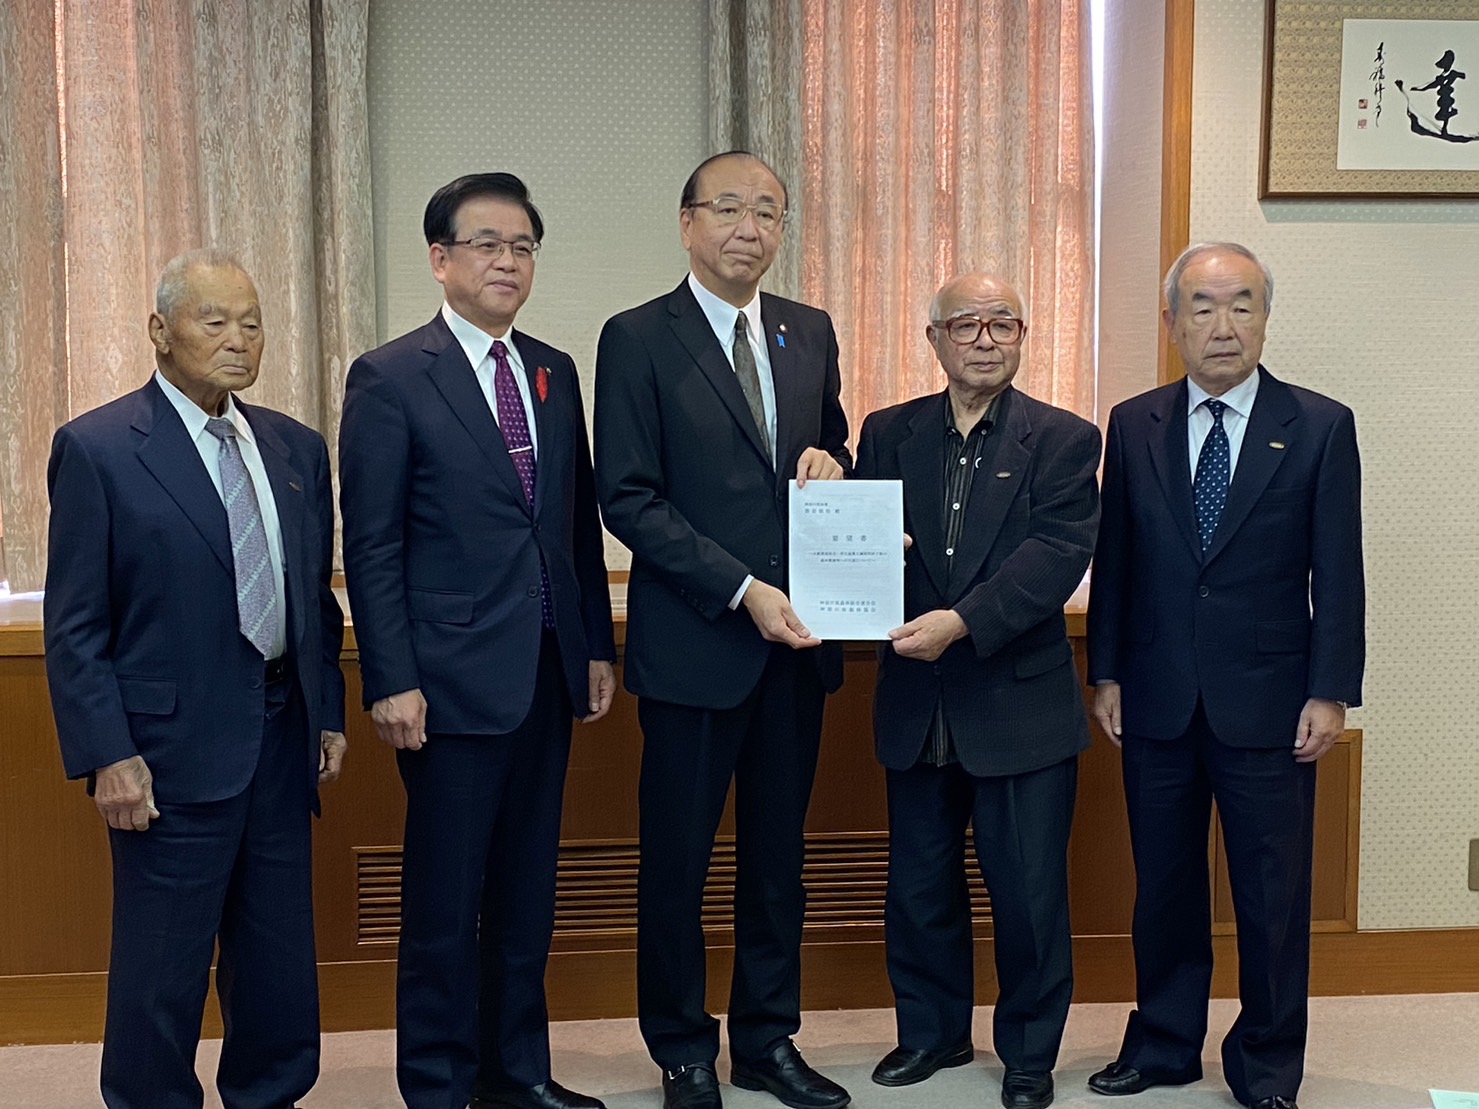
(541, 383)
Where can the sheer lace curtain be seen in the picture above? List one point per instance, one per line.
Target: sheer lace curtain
(132, 131)
(921, 139)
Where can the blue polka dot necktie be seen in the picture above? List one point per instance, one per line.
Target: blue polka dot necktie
(1214, 469)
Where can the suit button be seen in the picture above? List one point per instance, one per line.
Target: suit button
(1204, 592)
(775, 560)
(532, 591)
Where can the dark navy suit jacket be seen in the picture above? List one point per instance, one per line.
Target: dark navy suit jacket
(1273, 613)
(441, 549)
(1010, 692)
(685, 484)
(143, 649)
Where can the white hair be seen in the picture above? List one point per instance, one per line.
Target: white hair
(1172, 287)
(169, 294)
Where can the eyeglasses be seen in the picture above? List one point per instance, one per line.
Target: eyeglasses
(1005, 330)
(491, 249)
(729, 211)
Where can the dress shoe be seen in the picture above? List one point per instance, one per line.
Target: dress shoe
(904, 1066)
(1026, 1089)
(785, 1074)
(695, 1086)
(1276, 1102)
(1121, 1078)
(547, 1095)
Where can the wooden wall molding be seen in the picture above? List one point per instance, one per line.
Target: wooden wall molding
(66, 1008)
(1175, 157)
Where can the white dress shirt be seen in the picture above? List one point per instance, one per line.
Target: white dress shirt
(722, 316)
(477, 344)
(195, 418)
(1239, 400)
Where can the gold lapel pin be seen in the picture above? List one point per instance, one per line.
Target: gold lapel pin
(1005, 473)
(1278, 446)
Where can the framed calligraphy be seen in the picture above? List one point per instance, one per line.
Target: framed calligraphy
(1370, 98)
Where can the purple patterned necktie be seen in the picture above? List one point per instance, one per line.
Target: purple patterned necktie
(256, 592)
(514, 424)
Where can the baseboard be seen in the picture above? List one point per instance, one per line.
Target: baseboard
(68, 1008)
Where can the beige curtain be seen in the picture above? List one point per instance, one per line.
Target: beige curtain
(921, 139)
(132, 131)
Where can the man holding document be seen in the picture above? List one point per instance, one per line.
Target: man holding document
(710, 399)
(979, 714)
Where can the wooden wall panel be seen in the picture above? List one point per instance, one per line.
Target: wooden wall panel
(54, 869)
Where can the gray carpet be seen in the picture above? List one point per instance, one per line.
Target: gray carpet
(1364, 1053)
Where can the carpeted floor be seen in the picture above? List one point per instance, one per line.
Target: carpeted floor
(1364, 1053)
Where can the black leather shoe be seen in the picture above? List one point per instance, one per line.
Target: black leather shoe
(547, 1095)
(904, 1066)
(1276, 1102)
(1121, 1078)
(695, 1086)
(1025, 1089)
(785, 1074)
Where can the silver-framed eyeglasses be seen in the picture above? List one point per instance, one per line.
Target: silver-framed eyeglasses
(729, 210)
(1005, 330)
(491, 249)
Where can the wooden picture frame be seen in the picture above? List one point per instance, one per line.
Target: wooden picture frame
(1302, 104)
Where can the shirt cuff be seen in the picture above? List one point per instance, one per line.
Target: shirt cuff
(739, 594)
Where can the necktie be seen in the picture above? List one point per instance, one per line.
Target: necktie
(749, 381)
(514, 424)
(1214, 469)
(256, 592)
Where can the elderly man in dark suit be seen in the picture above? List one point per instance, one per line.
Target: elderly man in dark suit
(979, 716)
(709, 399)
(1226, 640)
(473, 556)
(192, 647)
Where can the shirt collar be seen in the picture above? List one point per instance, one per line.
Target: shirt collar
(721, 314)
(987, 420)
(1239, 398)
(194, 417)
(475, 342)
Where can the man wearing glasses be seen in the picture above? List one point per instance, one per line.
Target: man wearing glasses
(477, 582)
(709, 400)
(979, 716)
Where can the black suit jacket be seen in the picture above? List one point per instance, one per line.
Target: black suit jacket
(1011, 696)
(685, 484)
(442, 551)
(144, 652)
(1274, 613)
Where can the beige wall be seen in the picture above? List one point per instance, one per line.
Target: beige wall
(1378, 305)
(1130, 190)
(600, 107)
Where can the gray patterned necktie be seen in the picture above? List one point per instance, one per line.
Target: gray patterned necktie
(256, 592)
(749, 381)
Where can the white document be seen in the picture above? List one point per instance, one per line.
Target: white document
(847, 557)
(1453, 1099)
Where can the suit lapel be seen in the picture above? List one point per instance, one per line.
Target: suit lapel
(993, 489)
(288, 496)
(172, 458)
(1171, 462)
(550, 411)
(778, 329)
(457, 383)
(692, 329)
(1273, 411)
(922, 466)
